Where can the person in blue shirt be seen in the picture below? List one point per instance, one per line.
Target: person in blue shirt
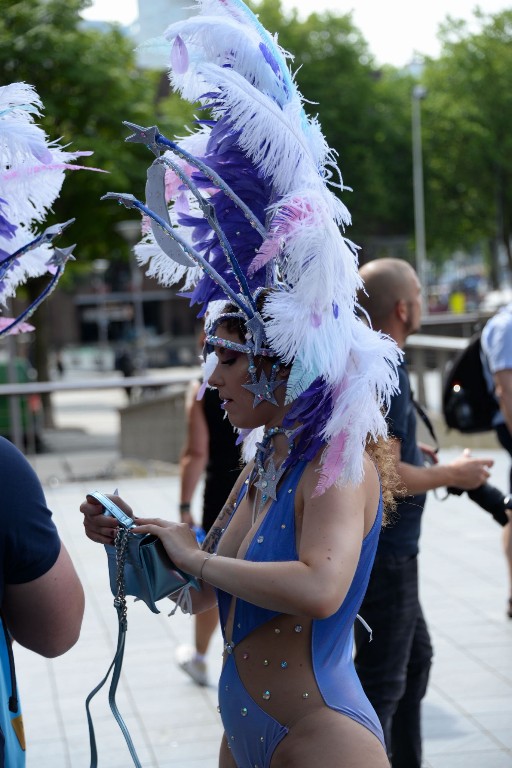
(394, 668)
(496, 344)
(210, 449)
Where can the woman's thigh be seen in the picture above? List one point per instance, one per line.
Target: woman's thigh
(334, 739)
(225, 757)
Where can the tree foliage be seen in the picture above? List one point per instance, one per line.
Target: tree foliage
(364, 113)
(467, 136)
(88, 82)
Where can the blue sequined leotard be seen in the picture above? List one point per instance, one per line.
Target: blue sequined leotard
(252, 733)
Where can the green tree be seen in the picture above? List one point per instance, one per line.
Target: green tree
(364, 113)
(89, 83)
(467, 138)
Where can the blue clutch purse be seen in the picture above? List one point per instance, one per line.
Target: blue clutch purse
(139, 564)
(149, 574)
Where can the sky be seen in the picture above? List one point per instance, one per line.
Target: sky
(394, 29)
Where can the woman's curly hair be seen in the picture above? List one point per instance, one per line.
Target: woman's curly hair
(380, 451)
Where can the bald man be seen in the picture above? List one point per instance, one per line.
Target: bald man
(394, 668)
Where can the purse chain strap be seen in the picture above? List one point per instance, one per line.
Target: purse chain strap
(121, 543)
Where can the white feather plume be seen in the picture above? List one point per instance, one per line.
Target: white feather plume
(32, 170)
(227, 61)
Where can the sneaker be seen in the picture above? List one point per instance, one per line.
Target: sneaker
(196, 669)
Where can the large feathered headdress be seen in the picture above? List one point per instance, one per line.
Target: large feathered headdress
(32, 171)
(246, 202)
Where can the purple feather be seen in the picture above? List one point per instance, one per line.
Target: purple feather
(179, 56)
(7, 230)
(312, 409)
(224, 156)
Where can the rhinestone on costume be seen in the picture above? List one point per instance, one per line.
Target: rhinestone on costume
(298, 628)
(260, 539)
(245, 656)
(283, 526)
(232, 738)
(218, 708)
(266, 695)
(284, 664)
(266, 662)
(277, 631)
(305, 695)
(243, 711)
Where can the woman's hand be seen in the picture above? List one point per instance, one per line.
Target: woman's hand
(99, 527)
(179, 541)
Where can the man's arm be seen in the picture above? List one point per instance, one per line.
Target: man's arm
(45, 615)
(464, 472)
(503, 392)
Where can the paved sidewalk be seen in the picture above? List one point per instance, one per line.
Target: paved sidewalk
(174, 724)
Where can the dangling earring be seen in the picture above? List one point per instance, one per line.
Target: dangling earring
(263, 388)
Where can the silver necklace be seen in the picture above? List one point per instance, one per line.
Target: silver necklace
(266, 475)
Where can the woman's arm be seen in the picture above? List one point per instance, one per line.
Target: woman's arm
(102, 529)
(316, 584)
(206, 598)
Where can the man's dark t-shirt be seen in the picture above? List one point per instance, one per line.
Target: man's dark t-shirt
(400, 538)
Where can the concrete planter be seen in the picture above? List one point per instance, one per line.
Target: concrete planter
(154, 428)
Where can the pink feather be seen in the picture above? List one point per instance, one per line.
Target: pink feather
(332, 464)
(294, 214)
(20, 328)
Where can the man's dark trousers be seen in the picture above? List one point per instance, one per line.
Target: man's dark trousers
(394, 667)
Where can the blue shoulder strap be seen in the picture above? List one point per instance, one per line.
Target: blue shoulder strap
(12, 737)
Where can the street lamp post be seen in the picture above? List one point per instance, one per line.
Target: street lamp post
(99, 268)
(15, 417)
(130, 232)
(419, 93)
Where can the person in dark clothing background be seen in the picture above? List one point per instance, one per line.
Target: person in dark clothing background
(497, 364)
(394, 668)
(210, 449)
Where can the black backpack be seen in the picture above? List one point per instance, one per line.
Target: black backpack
(468, 406)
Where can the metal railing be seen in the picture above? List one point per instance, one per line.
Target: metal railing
(149, 382)
(431, 353)
(425, 354)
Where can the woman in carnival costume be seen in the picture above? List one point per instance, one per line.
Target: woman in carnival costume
(241, 214)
